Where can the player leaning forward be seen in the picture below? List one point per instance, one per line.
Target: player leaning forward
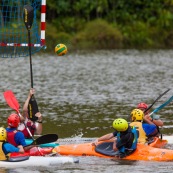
(126, 138)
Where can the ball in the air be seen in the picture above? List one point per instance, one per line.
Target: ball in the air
(60, 49)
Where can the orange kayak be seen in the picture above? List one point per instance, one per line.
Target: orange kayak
(158, 143)
(143, 152)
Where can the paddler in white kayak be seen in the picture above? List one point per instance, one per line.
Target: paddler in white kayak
(7, 148)
(14, 136)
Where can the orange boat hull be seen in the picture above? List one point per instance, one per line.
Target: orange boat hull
(143, 152)
(158, 143)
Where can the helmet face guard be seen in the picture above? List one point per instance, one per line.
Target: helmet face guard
(120, 125)
(13, 120)
(137, 115)
(3, 134)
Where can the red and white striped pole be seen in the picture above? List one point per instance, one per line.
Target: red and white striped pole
(43, 22)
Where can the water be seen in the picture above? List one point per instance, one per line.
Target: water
(80, 95)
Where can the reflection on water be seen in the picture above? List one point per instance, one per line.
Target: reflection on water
(81, 94)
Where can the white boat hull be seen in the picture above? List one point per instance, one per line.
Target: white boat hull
(38, 161)
(169, 139)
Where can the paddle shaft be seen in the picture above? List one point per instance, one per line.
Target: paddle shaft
(28, 15)
(30, 134)
(29, 45)
(156, 100)
(162, 106)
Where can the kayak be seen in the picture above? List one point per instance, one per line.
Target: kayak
(38, 151)
(158, 142)
(37, 161)
(143, 152)
(169, 139)
(45, 150)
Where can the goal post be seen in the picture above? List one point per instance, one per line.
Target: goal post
(13, 33)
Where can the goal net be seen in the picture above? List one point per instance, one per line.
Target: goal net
(13, 33)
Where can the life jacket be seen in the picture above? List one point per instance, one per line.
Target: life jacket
(31, 128)
(135, 140)
(134, 144)
(142, 135)
(2, 154)
(11, 137)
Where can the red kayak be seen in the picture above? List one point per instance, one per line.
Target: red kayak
(35, 151)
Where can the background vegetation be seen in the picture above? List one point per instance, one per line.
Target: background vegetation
(109, 24)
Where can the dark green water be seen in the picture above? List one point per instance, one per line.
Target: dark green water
(80, 95)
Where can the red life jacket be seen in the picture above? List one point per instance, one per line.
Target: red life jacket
(31, 129)
(10, 137)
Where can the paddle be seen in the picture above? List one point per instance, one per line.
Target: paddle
(156, 100)
(44, 139)
(32, 109)
(13, 103)
(162, 106)
(28, 15)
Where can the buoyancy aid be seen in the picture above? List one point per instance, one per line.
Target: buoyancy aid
(31, 128)
(142, 135)
(10, 137)
(135, 140)
(2, 154)
(134, 144)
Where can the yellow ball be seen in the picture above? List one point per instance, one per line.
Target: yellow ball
(60, 49)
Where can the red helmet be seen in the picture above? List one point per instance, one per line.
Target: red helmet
(142, 105)
(13, 120)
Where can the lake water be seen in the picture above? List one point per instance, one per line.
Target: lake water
(81, 94)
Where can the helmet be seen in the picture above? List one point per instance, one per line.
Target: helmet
(120, 124)
(142, 105)
(137, 115)
(3, 134)
(13, 120)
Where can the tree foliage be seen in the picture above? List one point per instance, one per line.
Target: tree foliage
(142, 23)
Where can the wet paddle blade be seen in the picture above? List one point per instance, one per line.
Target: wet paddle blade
(32, 109)
(28, 15)
(48, 138)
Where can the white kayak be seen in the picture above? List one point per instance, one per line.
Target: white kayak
(38, 161)
(169, 139)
